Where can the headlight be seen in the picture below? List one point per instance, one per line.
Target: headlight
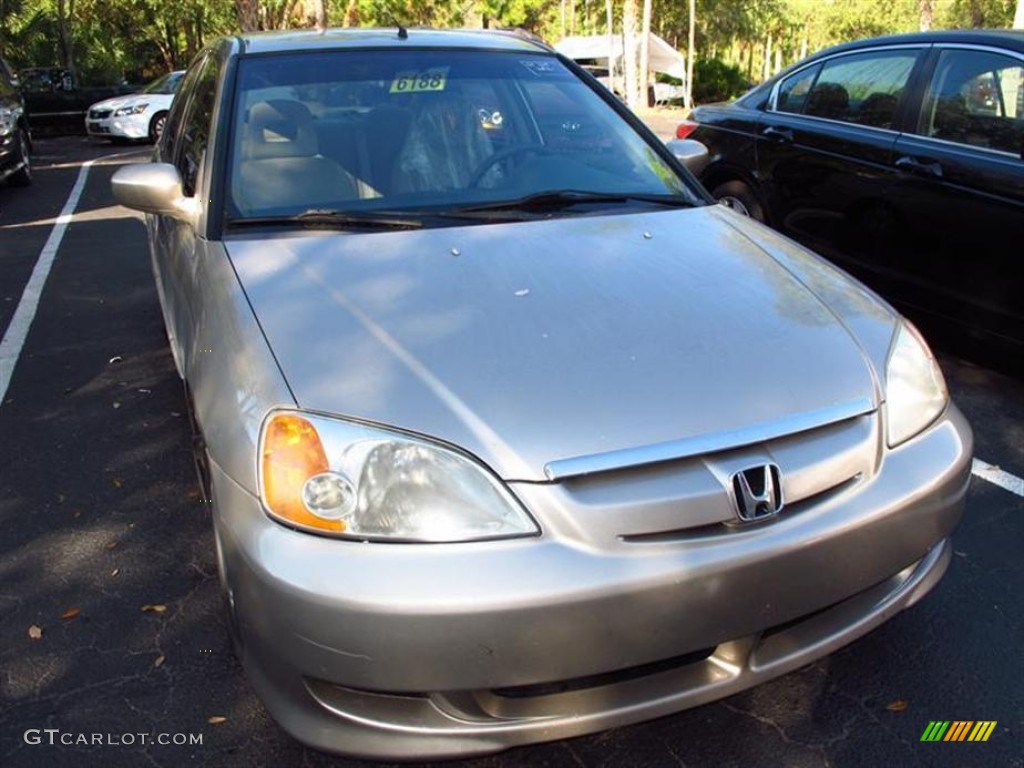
(915, 391)
(351, 480)
(135, 109)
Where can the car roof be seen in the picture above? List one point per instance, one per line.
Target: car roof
(1011, 39)
(1007, 38)
(311, 40)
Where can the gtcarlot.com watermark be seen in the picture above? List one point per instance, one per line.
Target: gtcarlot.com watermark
(55, 737)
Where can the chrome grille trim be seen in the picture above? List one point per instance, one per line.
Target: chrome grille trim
(700, 445)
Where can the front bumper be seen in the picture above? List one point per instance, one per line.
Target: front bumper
(402, 651)
(126, 127)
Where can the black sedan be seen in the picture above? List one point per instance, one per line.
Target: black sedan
(902, 159)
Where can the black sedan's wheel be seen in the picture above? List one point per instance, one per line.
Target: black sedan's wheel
(23, 177)
(156, 126)
(740, 197)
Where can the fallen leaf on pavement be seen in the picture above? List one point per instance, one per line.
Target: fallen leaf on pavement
(115, 359)
(70, 613)
(117, 482)
(158, 608)
(159, 661)
(36, 633)
(897, 706)
(115, 572)
(216, 720)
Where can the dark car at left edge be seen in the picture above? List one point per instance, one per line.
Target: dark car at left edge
(15, 137)
(902, 160)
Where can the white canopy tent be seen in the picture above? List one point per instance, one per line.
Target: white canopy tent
(662, 58)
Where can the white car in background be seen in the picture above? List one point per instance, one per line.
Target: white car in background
(136, 116)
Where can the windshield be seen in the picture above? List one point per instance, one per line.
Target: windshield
(166, 84)
(427, 130)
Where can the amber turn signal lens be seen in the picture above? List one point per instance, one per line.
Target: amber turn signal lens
(293, 453)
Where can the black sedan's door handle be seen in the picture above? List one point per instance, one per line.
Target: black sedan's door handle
(919, 167)
(777, 134)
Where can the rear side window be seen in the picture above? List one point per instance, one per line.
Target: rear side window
(976, 98)
(863, 88)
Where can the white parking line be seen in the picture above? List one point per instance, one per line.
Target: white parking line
(996, 476)
(17, 331)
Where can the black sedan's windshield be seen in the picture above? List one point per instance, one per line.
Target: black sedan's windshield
(428, 130)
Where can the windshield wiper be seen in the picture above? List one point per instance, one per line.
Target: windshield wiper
(330, 219)
(566, 198)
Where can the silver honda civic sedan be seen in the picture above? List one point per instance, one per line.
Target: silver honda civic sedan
(511, 434)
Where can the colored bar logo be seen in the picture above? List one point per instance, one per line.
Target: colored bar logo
(959, 730)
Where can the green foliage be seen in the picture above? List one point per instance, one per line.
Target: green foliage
(980, 14)
(714, 80)
(112, 40)
(735, 40)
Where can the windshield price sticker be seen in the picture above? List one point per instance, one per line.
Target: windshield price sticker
(415, 82)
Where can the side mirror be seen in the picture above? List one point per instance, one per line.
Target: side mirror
(154, 188)
(690, 153)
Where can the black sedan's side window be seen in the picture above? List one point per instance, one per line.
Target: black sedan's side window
(794, 89)
(863, 88)
(976, 98)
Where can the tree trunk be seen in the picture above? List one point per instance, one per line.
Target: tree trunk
(609, 22)
(925, 10)
(65, 12)
(691, 53)
(248, 15)
(166, 52)
(629, 53)
(562, 28)
(320, 13)
(352, 14)
(1018, 17)
(645, 55)
(767, 68)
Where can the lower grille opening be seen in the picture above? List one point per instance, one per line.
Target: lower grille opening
(605, 678)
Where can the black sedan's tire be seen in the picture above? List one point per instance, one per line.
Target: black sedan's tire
(23, 177)
(740, 197)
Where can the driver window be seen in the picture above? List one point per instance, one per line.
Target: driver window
(195, 132)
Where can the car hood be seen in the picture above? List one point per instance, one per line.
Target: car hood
(552, 347)
(134, 98)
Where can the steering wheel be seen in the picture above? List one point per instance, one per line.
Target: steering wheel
(501, 156)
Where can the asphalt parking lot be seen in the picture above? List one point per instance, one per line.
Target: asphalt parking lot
(110, 619)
